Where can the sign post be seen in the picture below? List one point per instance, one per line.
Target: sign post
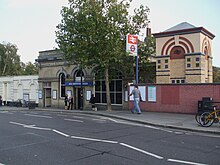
(132, 49)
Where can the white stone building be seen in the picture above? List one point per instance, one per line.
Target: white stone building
(13, 88)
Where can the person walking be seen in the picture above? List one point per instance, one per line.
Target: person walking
(0, 100)
(66, 102)
(70, 107)
(137, 95)
(93, 101)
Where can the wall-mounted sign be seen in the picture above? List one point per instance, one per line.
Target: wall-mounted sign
(54, 94)
(152, 97)
(40, 94)
(78, 83)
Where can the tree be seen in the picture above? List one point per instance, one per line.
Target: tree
(93, 33)
(10, 60)
(2, 58)
(216, 74)
(147, 70)
(31, 69)
(10, 63)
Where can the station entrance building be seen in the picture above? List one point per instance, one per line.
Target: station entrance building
(57, 78)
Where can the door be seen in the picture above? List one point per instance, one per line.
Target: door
(78, 98)
(47, 97)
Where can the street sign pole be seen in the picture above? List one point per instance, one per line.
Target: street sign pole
(132, 48)
(136, 68)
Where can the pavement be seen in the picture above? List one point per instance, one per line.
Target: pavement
(185, 122)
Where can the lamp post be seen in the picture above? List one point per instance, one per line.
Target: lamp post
(81, 88)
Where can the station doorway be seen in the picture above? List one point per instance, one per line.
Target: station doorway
(77, 98)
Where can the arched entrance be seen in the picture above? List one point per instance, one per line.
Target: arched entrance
(78, 88)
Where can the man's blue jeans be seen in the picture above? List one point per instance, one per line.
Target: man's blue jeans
(136, 106)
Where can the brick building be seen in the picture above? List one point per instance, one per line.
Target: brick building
(184, 55)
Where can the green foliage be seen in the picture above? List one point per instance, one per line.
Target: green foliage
(31, 69)
(216, 74)
(147, 70)
(93, 33)
(10, 60)
(10, 63)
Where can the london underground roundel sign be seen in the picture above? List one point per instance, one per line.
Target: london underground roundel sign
(131, 44)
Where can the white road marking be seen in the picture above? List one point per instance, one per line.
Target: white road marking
(140, 150)
(106, 141)
(110, 119)
(91, 139)
(62, 115)
(178, 133)
(38, 116)
(80, 121)
(6, 112)
(61, 133)
(40, 128)
(24, 125)
(102, 120)
(78, 117)
(29, 126)
(167, 131)
(185, 162)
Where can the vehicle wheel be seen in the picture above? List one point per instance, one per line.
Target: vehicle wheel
(197, 117)
(206, 119)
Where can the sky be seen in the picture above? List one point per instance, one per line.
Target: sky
(31, 24)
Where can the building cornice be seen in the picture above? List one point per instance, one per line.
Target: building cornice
(185, 31)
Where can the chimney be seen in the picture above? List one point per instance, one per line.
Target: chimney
(148, 32)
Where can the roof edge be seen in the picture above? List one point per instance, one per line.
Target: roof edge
(184, 31)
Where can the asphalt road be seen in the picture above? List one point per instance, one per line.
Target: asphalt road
(64, 138)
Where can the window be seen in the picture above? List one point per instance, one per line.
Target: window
(78, 76)
(178, 81)
(47, 84)
(158, 61)
(188, 59)
(177, 52)
(115, 86)
(62, 85)
(158, 67)
(197, 58)
(197, 65)
(166, 61)
(188, 65)
(166, 66)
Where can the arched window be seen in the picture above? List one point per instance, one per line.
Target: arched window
(78, 76)
(115, 87)
(206, 53)
(62, 79)
(177, 52)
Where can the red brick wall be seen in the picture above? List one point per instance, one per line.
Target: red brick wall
(179, 98)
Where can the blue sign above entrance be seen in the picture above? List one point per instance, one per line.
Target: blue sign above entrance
(78, 83)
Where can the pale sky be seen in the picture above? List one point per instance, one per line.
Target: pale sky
(31, 24)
